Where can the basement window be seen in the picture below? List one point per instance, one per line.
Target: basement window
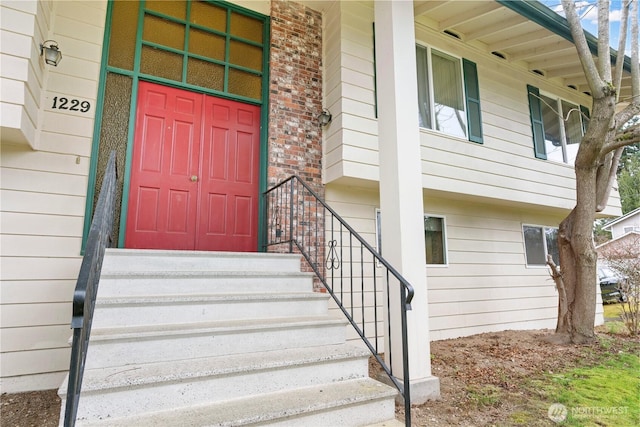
(538, 242)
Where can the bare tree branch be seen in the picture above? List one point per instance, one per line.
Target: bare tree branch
(596, 85)
(612, 174)
(563, 306)
(632, 109)
(604, 60)
(628, 136)
(624, 18)
(635, 58)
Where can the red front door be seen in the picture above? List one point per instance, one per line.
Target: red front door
(194, 173)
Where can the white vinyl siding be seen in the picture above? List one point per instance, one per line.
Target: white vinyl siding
(502, 168)
(351, 141)
(486, 286)
(24, 26)
(43, 191)
(358, 208)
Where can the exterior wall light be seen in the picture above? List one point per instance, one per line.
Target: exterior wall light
(325, 117)
(50, 53)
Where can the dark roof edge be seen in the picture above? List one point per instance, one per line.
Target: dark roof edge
(621, 218)
(537, 12)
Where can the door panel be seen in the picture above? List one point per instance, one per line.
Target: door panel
(230, 159)
(163, 198)
(194, 174)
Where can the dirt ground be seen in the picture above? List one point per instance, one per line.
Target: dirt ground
(482, 380)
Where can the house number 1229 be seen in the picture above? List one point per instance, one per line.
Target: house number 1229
(72, 104)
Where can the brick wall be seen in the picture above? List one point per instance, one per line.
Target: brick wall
(295, 101)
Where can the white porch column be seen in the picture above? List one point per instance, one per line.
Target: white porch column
(401, 186)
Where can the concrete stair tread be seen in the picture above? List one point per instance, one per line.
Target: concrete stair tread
(219, 327)
(213, 297)
(390, 423)
(214, 274)
(156, 260)
(263, 409)
(139, 375)
(202, 254)
(192, 338)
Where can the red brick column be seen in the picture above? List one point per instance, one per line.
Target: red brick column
(295, 101)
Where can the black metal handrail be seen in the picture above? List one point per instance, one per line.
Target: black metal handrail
(347, 266)
(84, 296)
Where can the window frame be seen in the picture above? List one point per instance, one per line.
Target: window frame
(544, 243)
(378, 228)
(536, 115)
(445, 249)
(431, 92)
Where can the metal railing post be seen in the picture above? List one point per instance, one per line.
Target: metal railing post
(291, 218)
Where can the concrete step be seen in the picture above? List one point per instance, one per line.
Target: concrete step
(388, 423)
(157, 343)
(142, 283)
(177, 309)
(358, 402)
(187, 338)
(124, 390)
(120, 260)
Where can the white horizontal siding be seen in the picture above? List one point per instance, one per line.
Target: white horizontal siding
(36, 224)
(30, 315)
(486, 285)
(22, 383)
(46, 182)
(31, 268)
(35, 337)
(36, 291)
(40, 246)
(43, 194)
(20, 34)
(18, 201)
(34, 362)
(357, 207)
(503, 168)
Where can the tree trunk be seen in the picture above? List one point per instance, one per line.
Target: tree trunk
(595, 166)
(578, 256)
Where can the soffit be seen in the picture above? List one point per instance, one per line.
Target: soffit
(495, 28)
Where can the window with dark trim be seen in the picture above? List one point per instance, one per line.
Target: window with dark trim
(557, 125)
(448, 94)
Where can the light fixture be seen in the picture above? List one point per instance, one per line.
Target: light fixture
(51, 53)
(325, 117)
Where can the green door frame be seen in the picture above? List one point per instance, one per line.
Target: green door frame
(136, 76)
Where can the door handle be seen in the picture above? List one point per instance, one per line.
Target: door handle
(194, 178)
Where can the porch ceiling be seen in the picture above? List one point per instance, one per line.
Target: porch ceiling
(496, 28)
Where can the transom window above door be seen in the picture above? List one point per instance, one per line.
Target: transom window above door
(195, 43)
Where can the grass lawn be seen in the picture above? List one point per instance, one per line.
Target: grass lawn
(604, 391)
(607, 394)
(612, 311)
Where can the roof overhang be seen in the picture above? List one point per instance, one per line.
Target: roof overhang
(525, 33)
